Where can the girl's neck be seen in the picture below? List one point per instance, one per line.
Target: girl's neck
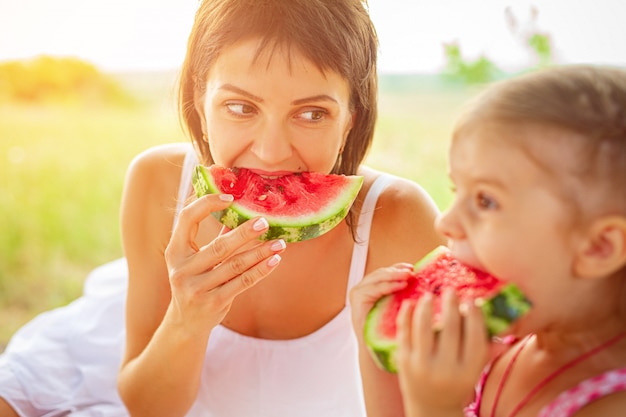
(580, 339)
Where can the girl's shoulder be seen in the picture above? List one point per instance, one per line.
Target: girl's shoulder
(403, 223)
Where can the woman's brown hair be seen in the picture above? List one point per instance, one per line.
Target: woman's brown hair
(336, 35)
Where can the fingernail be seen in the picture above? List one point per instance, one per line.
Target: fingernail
(464, 309)
(226, 197)
(278, 245)
(260, 224)
(274, 260)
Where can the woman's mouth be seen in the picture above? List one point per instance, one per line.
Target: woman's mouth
(270, 174)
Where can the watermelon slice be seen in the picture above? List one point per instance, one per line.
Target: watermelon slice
(501, 303)
(298, 206)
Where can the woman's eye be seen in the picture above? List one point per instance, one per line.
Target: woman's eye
(312, 115)
(486, 202)
(240, 108)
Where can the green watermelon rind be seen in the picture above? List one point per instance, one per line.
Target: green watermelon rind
(499, 311)
(282, 227)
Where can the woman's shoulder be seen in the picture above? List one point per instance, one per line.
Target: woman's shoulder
(151, 187)
(161, 157)
(401, 201)
(403, 224)
(399, 189)
(157, 170)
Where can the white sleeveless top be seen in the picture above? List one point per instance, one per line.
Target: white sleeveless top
(314, 375)
(65, 361)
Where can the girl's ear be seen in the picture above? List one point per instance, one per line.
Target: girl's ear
(604, 250)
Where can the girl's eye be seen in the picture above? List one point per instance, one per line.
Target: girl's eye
(312, 115)
(240, 109)
(486, 202)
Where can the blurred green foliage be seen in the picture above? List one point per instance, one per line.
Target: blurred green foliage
(47, 79)
(62, 167)
(479, 71)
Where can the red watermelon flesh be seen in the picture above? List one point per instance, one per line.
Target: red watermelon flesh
(297, 206)
(437, 274)
(500, 302)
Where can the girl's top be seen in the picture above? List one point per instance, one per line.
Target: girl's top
(65, 361)
(568, 402)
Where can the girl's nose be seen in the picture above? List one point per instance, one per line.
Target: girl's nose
(448, 224)
(272, 143)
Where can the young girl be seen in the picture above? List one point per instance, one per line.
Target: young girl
(217, 322)
(539, 168)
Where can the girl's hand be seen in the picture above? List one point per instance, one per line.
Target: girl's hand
(380, 282)
(204, 281)
(439, 369)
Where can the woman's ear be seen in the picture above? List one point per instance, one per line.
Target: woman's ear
(604, 249)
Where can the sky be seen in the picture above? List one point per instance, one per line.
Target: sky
(128, 35)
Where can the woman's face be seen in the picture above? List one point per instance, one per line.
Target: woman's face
(275, 114)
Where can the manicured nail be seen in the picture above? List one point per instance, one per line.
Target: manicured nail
(274, 260)
(278, 245)
(226, 197)
(260, 224)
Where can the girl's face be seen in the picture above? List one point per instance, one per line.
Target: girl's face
(509, 216)
(276, 114)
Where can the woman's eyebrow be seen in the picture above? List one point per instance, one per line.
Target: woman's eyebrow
(320, 97)
(235, 89)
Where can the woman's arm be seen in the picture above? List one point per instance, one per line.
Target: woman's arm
(176, 295)
(402, 233)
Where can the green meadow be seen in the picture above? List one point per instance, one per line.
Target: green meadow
(62, 169)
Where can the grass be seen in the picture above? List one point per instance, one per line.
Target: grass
(62, 172)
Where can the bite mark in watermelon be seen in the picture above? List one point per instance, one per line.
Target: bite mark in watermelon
(297, 206)
(501, 303)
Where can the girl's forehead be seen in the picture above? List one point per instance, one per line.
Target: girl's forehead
(505, 147)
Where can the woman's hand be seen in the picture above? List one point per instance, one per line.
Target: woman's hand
(439, 369)
(204, 281)
(380, 282)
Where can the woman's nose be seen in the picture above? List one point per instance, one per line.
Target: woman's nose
(272, 143)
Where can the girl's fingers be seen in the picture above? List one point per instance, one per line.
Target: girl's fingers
(423, 334)
(380, 282)
(476, 345)
(449, 336)
(404, 329)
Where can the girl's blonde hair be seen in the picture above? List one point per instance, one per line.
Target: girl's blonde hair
(589, 101)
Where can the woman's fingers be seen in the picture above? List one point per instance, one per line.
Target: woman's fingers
(250, 277)
(224, 245)
(245, 266)
(183, 241)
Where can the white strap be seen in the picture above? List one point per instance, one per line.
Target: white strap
(185, 187)
(359, 253)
